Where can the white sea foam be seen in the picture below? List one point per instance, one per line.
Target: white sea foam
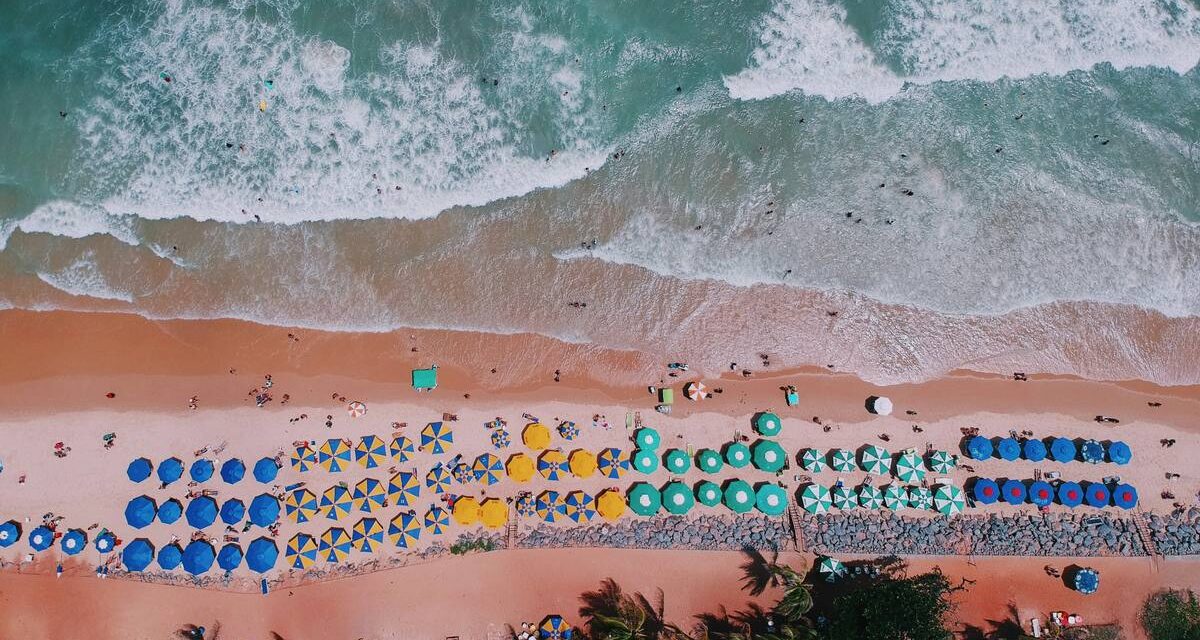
(71, 220)
(83, 278)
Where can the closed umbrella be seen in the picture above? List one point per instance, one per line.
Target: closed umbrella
(920, 498)
(644, 461)
(1041, 493)
(169, 557)
(647, 438)
(876, 460)
(536, 436)
(303, 458)
(437, 438)
(1092, 452)
(812, 460)
(334, 455)
(979, 448)
(737, 455)
(139, 469)
(264, 510)
(739, 496)
(610, 505)
(708, 493)
(1008, 449)
(644, 499)
(404, 530)
(948, 500)
(74, 541)
(612, 463)
(582, 463)
(942, 462)
(233, 511)
(437, 520)
(869, 497)
(768, 455)
(767, 424)
(1035, 450)
(1097, 495)
(137, 555)
(1070, 494)
(170, 470)
(487, 469)
(198, 557)
(170, 511)
(265, 470)
(845, 498)
(140, 512)
(230, 557)
(677, 461)
(1119, 452)
(404, 488)
(371, 451)
(581, 507)
(232, 471)
(520, 467)
(910, 468)
(770, 499)
(401, 449)
(301, 551)
(335, 545)
(895, 497)
(842, 460)
(367, 533)
(201, 470)
(1125, 496)
(985, 491)
(552, 464)
(709, 461)
(369, 494)
(1013, 492)
(549, 506)
(201, 512)
(815, 498)
(1062, 450)
(336, 502)
(261, 555)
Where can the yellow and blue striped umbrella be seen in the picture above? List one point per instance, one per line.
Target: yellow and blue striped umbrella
(568, 430)
(436, 437)
(579, 506)
(335, 545)
(404, 530)
(303, 458)
(368, 494)
(300, 505)
(336, 502)
(550, 506)
(334, 455)
(526, 506)
(401, 448)
(500, 438)
(462, 473)
(488, 469)
(403, 487)
(371, 451)
(612, 462)
(438, 478)
(367, 532)
(436, 520)
(551, 464)
(301, 551)
(554, 628)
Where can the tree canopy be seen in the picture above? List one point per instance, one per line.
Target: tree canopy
(1172, 615)
(893, 609)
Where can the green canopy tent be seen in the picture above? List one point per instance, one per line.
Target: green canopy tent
(708, 493)
(815, 498)
(876, 460)
(677, 498)
(771, 499)
(845, 498)
(910, 468)
(842, 460)
(768, 455)
(812, 460)
(739, 496)
(644, 499)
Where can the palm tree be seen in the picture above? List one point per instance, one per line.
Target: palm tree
(611, 614)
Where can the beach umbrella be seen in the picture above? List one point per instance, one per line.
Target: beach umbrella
(261, 555)
(580, 506)
(612, 463)
(300, 505)
(582, 463)
(909, 467)
(10, 533)
(550, 506)
(303, 458)
(436, 520)
(831, 569)
(920, 498)
(979, 448)
(201, 470)
(1092, 452)
(694, 391)
(526, 506)
(948, 500)
(879, 405)
(232, 471)
(366, 533)
(229, 557)
(371, 451)
(201, 512)
(465, 510)
(1008, 449)
(1125, 496)
(137, 555)
(568, 430)
(986, 491)
(876, 460)
(170, 470)
(816, 498)
(170, 511)
(462, 473)
(265, 470)
(74, 541)
(554, 628)
(500, 438)
(1062, 450)
(1086, 581)
(334, 455)
(1119, 452)
(1040, 493)
(647, 438)
(520, 467)
(552, 464)
(942, 462)
(493, 513)
(768, 455)
(402, 487)
(356, 409)
(487, 469)
(169, 557)
(1070, 494)
(845, 498)
(738, 496)
(404, 530)
(895, 497)
(334, 545)
(139, 469)
(535, 436)
(677, 461)
(709, 461)
(438, 479)
(677, 498)
(301, 551)
(1035, 450)
(198, 557)
(842, 460)
(610, 505)
(644, 499)
(1013, 492)
(41, 538)
(233, 511)
(869, 497)
(770, 499)
(264, 510)
(1097, 495)
(812, 460)
(767, 424)
(368, 494)
(401, 449)
(737, 455)
(140, 512)
(336, 502)
(644, 461)
(708, 493)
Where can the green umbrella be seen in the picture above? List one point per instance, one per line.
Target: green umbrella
(895, 497)
(709, 461)
(844, 498)
(815, 498)
(941, 462)
(771, 499)
(812, 460)
(831, 569)
(869, 497)
(842, 460)
(644, 461)
(677, 498)
(876, 460)
(920, 498)
(767, 424)
(910, 468)
(948, 500)
(739, 496)
(708, 493)
(644, 499)
(768, 456)
(677, 461)
(647, 438)
(737, 455)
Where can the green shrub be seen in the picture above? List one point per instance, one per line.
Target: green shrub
(1172, 615)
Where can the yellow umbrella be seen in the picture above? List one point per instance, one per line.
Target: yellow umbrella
(493, 512)
(466, 511)
(583, 463)
(536, 436)
(520, 467)
(610, 504)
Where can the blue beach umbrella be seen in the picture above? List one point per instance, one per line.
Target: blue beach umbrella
(10, 533)
(105, 542)
(1098, 495)
(1008, 449)
(1035, 450)
(1119, 453)
(73, 542)
(41, 538)
(1125, 496)
(264, 510)
(201, 512)
(170, 511)
(1041, 493)
(979, 448)
(170, 470)
(170, 556)
(232, 471)
(261, 555)
(229, 557)
(265, 470)
(201, 470)
(139, 469)
(233, 511)
(986, 491)
(1013, 492)
(137, 555)
(140, 512)
(1092, 452)
(1062, 450)
(1070, 494)
(1086, 581)
(198, 557)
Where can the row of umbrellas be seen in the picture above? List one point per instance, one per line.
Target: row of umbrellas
(946, 499)
(202, 511)
(678, 498)
(201, 470)
(1040, 493)
(576, 506)
(908, 466)
(198, 556)
(1058, 450)
(41, 538)
(371, 451)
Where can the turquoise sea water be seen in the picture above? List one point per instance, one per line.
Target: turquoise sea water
(369, 165)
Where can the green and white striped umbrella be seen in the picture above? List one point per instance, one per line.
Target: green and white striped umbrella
(876, 460)
(920, 498)
(768, 456)
(910, 468)
(737, 455)
(677, 461)
(869, 497)
(645, 461)
(815, 498)
(812, 460)
(708, 494)
(739, 496)
(771, 499)
(831, 569)
(842, 460)
(709, 461)
(845, 498)
(895, 497)
(949, 500)
(941, 462)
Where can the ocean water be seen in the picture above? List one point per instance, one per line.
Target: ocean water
(989, 184)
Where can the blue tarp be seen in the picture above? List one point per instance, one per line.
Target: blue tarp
(201, 470)
(1008, 449)
(170, 470)
(1062, 450)
(233, 511)
(1035, 450)
(1041, 493)
(140, 512)
(1013, 492)
(1119, 452)
(170, 556)
(979, 448)
(10, 533)
(261, 555)
(1092, 452)
(139, 469)
(232, 471)
(1070, 494)
(170, 511)
(201, 512)
(230, 557)
(198, 557)
(1125, 496)
(986, 491)
(265, 470)
(1098, 495)
(137, 555)
(264, 510)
